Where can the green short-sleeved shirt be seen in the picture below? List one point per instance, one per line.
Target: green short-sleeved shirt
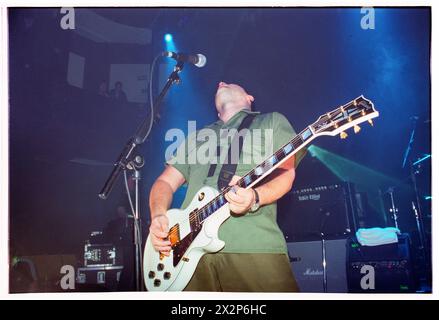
(257, 232)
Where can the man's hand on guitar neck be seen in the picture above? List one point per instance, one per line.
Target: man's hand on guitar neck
(272, 188)
(240, 200)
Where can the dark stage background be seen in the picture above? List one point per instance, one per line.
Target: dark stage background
(301, 62)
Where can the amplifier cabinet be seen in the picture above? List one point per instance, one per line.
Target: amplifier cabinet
(305, 213)
(306, 263)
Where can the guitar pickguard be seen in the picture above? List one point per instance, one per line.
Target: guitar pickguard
(180, 248)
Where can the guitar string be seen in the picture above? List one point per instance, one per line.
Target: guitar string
(195, 216)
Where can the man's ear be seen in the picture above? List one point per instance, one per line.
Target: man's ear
(250, 98)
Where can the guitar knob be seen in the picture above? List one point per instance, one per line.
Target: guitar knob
(151, 274)
(370, 122)
(157, 283)
(343, 135)
(160, 267)
(167, 275)
(357, 128)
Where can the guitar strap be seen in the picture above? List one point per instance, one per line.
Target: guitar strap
(228, 169)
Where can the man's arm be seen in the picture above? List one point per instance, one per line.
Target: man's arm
(160, 199)
(279, 183)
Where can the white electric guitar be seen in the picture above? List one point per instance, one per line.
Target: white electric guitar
(194, 231)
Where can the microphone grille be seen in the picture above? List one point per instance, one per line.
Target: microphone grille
(202, 60)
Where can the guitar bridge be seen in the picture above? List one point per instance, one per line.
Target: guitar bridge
(174, 235)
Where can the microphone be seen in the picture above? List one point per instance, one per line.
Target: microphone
(198, 60)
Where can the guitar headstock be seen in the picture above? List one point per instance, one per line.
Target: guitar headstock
(347, 116)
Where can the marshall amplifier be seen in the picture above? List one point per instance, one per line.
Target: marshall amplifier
(307, 265)
(306, 213)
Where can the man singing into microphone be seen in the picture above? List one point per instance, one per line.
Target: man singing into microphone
(255, 257)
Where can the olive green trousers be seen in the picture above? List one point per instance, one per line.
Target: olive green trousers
(243, 272)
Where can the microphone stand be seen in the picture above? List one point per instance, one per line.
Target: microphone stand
(419, 219)
(393, 209)
(324, 263)
(127, 156)
(323, 220)
(410, 144)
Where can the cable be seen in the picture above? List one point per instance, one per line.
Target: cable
(151, 122)
(151, 100)
(133, 212)
(136, 219)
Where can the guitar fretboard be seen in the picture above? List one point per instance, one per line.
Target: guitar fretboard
(254, 175)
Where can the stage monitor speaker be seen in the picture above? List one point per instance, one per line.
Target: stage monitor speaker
(307, 265)
(305, 213)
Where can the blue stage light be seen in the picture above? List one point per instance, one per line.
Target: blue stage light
(168, 37)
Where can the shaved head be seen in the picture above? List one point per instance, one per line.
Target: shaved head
(231, 98)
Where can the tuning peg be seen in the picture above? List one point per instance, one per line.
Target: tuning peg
(343, 135)
(370, 122)
(357, 128)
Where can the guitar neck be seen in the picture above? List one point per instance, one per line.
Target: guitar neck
(276, 159)
(259, 172)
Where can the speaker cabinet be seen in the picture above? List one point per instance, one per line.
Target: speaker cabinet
(305, 213)
(307, 264)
